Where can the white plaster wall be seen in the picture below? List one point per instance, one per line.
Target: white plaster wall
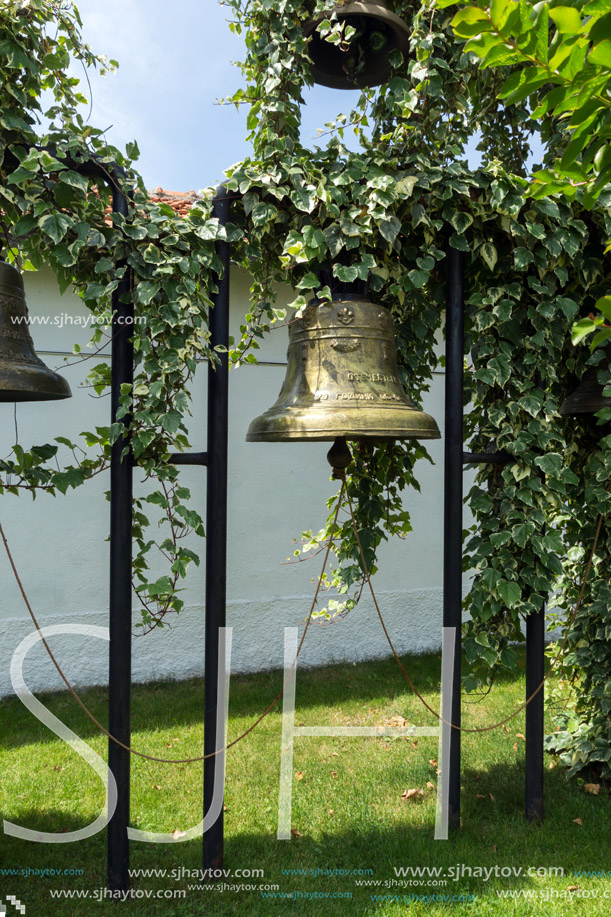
(275, 491)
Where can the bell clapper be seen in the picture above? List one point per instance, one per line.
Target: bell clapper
(339, 457)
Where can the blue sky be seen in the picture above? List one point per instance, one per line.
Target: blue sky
(175, 63)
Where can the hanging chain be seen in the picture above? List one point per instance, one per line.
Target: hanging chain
(212, 754)
(409, 680)
(339, 474)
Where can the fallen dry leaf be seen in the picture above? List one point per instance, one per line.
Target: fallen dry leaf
(334, 774)
(432, 762)
(299, 775)
(334, 754)
(492, 797)
(331, 812)
(176, 834)
(296, 832)
(572, 888)
(224, 807)
(409, 794)
(578, 821)
(505, 727)
(552, 765)
(593, 788)
(429, 785)
(479, 796)
(495, 848)
(155, 786)
(515, 746)
(520, 736)
(415, 744)
(59, 768)
(397, 721)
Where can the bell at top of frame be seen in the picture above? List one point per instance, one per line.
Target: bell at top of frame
(587, 398)
(364, 60)
(23, 375)
(342, 380)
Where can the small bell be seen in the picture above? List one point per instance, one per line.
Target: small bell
(363, 60)
(588, 397)
(342, 379)
(23, 375)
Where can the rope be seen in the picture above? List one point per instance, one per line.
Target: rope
(344, 490)
(142, 754)
(394, 652)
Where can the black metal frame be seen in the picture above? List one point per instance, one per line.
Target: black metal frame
(215, 459)
(455, 459)
(121, 488)
(120, 609)
(216, 532)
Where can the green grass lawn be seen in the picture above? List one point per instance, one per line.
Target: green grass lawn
(347, 804)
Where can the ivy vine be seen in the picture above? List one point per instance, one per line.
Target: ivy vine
(320, 220)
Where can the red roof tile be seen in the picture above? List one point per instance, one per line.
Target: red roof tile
(180, 201)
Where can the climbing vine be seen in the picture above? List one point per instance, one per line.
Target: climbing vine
(52, 214)
(322, 219)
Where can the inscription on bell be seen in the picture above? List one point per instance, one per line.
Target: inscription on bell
(342, 380)
(372, 377)
(355, 396)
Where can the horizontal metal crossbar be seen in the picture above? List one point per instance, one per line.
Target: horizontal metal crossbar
(482, 458)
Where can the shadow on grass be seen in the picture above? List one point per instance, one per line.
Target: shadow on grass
(332, 863)
(169, 704)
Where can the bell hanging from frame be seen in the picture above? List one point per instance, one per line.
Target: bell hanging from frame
(588, 397)
(342, 379)
(23, 375)
(362, 60)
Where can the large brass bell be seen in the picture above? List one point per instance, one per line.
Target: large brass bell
(23, 375)
(342, 379)
(363, 60)
(588, 397)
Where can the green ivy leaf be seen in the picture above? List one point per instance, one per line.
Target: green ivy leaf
(55, 225)
(510, 593)
(461, 221)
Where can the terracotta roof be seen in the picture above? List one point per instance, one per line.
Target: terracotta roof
(180, 201)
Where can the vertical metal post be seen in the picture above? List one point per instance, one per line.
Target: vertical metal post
(119, 673)
(535, 651)
(453, 492)
(216, 530)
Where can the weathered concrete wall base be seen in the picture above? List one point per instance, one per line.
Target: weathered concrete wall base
(177, 652)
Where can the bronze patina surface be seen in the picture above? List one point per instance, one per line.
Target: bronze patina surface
(342, 380)
(23, 375)
(364, 61)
